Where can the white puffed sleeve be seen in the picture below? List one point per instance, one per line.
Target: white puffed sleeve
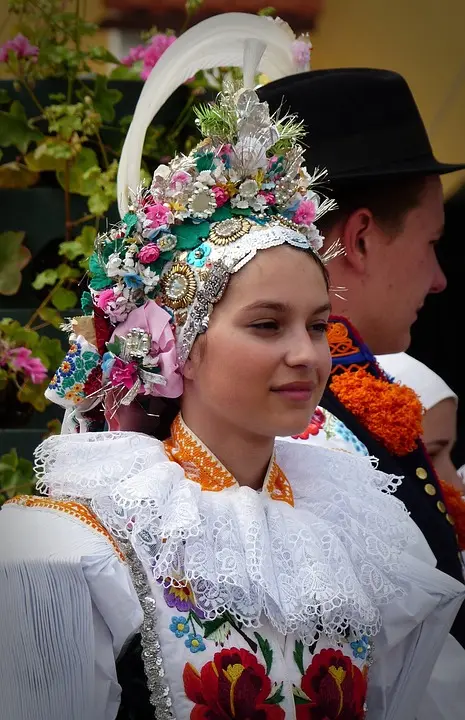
(414, 637)
(67, 607)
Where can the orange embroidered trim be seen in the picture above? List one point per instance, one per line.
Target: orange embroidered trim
(392, 413)
(456, 507)
(75, 509)
(201, 466)
(339, 340)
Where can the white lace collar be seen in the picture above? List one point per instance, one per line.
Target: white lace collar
(324, 565)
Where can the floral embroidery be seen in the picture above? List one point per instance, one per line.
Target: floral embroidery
(232, 685)
(195, 643)
(360, 647)
(180, 597)
(179, 626)
(68, 383)
(349, 437)
(332, 688)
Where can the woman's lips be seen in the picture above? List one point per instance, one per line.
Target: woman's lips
(298, 391)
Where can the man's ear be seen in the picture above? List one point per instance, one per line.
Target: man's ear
(355, 235)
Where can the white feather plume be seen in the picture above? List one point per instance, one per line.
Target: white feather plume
(234, 39)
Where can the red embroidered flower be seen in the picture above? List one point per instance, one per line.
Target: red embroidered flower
(232, 685)
(332, 689)
(316, 423)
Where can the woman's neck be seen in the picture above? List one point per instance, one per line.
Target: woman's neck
(245, 455)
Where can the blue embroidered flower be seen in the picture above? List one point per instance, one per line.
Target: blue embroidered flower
(133, 281)
(67, 367)
(195, 643)
(360, 647)
(74, 349)
(179, 626)
(54, 382)
(198, 257)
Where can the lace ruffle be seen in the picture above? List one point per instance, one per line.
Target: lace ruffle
(324, 565)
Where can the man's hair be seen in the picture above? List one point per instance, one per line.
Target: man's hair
(389, 199)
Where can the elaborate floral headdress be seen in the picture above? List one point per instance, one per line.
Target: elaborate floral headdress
(156, 276)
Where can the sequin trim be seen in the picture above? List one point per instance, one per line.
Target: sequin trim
(201, 466)
(151, 648)
(68, 507)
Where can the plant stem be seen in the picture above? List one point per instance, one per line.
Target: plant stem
(42, 305)
(102, 150)
(83, 219)
(67, 204)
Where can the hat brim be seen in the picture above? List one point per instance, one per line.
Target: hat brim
(414, 167)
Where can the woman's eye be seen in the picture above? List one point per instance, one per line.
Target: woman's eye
(265, 325)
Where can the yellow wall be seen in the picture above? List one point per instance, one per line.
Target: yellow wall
(421, 39)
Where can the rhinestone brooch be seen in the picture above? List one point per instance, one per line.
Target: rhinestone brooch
(227, 231)
(179, 286)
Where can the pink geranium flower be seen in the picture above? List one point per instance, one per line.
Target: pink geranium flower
(159, 214)
(305, 213)
(135, 54)
(158, 44)
(221, 195)
(21, 359)
(19, 46)
(149, 253)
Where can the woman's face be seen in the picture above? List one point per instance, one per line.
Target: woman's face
(263, 364)
(439, 436)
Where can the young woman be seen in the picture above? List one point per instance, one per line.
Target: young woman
(263, 580)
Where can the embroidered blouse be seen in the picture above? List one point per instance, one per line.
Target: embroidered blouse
(250, 604)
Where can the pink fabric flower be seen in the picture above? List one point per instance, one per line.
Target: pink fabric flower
(123, 374)
(20, 46)
(301, 54)
(149, 253)
(305, 213)
(158, 44)
(221, 195)
(181, 177)
(159, 214)
(270, 198)
(21, 359)
(135, 54)
(156, 321)
(105, 297)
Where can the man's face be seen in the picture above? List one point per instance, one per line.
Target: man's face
(400, 272)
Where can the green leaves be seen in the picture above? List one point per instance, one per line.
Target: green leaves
(299, 656)
(13, 258)
(64, 299)
(79, 183)
(16, 130)
(104, 98)
(16, 476)
(34, 394)
(18, 176)
(267, 652)
(277, 695)
(47, 277)
(82, 246)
